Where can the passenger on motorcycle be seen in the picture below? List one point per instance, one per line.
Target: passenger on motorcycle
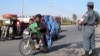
(39, 27)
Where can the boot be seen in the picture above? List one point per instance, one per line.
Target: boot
(93, 53)
(86, 53)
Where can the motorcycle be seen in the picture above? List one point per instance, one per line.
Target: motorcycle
(6, 30)
(28, 45)
(79, 25)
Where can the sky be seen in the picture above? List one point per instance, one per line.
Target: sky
(63, 8)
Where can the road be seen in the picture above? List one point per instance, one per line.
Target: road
(68, 44)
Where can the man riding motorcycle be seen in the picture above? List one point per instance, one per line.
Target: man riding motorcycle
(38, 27)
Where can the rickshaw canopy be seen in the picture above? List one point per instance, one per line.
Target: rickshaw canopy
(10, 16)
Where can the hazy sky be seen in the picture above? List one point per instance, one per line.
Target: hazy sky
(53, 7)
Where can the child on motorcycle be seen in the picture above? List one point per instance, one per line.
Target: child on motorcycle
(33, 26)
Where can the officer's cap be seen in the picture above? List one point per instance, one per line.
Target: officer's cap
(90, 3)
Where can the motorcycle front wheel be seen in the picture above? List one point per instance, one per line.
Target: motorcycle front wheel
(25, 47)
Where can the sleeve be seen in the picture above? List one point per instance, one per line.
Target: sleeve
(85, 20)
(97, 17)
(30, 26)
(35, 25)
(42, 26)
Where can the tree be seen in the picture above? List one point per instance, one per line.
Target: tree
(64, 19)
(67, 19)
(23, 16)
(30, 16)
(74, 17)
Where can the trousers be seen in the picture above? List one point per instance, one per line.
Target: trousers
(89, 38)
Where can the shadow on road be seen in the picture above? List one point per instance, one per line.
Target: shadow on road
(80, 45)
(77, 45)
(53, 49)
(68, 46)
(63, 30)
(97, 34)
(57, 47)
(97, 51)
(97, 40)
(18, 38)
(12, 39)
(60, 37)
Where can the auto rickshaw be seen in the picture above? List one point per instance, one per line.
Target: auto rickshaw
(11, 26)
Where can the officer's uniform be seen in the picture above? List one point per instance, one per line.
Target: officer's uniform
(89, 22)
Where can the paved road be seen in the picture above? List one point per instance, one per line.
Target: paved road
(68, 44)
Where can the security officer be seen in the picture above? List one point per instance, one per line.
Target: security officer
(89, 22)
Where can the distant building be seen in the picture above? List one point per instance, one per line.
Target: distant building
(26, 19)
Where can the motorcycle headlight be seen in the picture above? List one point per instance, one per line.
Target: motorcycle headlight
(26, 32)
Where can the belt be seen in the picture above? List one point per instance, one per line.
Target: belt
(89, 25)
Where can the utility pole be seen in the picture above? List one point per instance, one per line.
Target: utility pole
(22, 8)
